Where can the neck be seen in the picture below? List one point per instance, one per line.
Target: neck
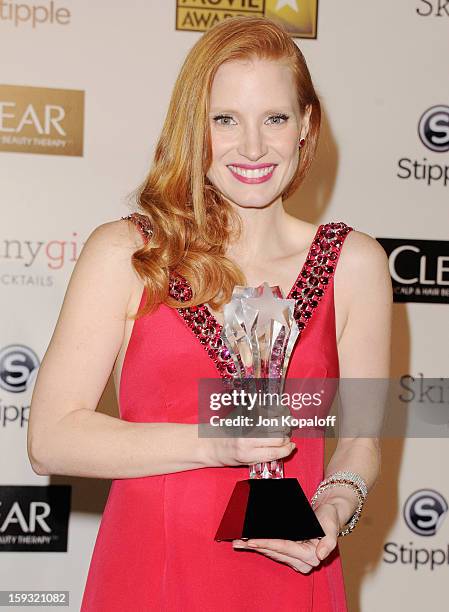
(262, 232)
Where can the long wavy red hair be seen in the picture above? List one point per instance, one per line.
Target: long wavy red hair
(191, 222)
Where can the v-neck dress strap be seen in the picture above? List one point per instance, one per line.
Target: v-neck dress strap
(142, 223)
(308, 290)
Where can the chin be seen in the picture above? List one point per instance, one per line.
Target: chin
(254, 204)
(251, 202)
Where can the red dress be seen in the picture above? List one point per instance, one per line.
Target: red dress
(155, 549)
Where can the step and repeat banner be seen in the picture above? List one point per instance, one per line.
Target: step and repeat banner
(84, 88)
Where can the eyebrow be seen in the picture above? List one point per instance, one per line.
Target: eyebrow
(273, 109)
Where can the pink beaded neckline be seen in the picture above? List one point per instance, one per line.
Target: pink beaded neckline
(307, 290)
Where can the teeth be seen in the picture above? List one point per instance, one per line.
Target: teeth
(251, 173)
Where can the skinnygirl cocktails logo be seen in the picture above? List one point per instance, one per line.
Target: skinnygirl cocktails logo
(41, 120)
(432, 8)
(30, 262)
(299, 17)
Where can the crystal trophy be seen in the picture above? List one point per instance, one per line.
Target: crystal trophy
(260, 332)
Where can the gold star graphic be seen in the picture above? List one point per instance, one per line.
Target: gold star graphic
(291, 3)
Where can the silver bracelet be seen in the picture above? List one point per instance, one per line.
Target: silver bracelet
(350, 480)
(355, 517)
(348, 477)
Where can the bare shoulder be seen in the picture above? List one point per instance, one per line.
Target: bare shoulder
(112, 244)
(119, 235)
(363, 264)
(361, 250)
(104, 270)
(89, 332)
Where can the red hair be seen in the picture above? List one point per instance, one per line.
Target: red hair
(191, 221)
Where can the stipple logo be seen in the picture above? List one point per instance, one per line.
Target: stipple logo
(433, 132)
(424, 512)
(18, 368)
(34, 15)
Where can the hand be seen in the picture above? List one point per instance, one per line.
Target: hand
(301, 556)
(246, 451)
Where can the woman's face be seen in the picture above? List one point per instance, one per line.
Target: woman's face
(255, 125)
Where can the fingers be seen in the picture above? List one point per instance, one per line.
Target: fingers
(249, 450)
(328, 517)
(269, 442)
(300, 554)
(279, 432)
(283, 438)
(326, 546)
(277, 448)
(296, 564)
(266, 450)
(304, 551)
(271, 453)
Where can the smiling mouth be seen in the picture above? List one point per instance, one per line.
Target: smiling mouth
(251, 174)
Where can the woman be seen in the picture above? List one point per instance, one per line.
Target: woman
(239, 137)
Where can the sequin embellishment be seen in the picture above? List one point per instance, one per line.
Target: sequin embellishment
(317, 271)
(205, 327)
(142, 222)
(307, 291)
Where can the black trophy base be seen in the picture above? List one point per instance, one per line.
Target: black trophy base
(274, 508)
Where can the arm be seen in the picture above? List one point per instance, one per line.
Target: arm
(65, 434)
(362, 280)
(364, 352)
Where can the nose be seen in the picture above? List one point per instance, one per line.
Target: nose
(251, 144)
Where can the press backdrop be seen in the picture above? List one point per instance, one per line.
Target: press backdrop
(84, 90)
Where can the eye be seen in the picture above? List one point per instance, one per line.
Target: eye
(225, 119)
(279, 119)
